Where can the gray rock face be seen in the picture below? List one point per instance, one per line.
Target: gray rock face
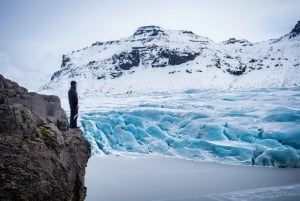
(126, 60)
(177, 57)
(41, 159)
(296, 30)
(149, 31)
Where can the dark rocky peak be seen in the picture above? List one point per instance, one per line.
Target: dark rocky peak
(149, 31)
(65, 61)
(296, 30)
(240, 42)
(234, 40)
(65, 64)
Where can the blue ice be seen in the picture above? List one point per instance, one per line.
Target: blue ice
(259, 127)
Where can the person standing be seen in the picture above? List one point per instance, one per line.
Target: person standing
(73, 101)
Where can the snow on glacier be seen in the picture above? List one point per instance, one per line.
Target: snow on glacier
(258, 127)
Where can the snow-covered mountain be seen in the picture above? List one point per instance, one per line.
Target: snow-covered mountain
(156, 59)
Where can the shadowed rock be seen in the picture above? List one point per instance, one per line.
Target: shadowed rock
(149, 31)
(41, 159)
(296, 30)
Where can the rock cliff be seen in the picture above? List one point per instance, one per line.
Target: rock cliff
(296, 30)
(41, 158)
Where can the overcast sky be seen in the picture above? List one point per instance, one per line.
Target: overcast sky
(35, 33)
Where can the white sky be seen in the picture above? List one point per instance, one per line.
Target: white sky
(35, 33)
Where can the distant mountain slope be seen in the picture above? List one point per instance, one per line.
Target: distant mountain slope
(156, 59)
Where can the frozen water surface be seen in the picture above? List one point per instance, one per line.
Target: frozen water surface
(136, 177)
(259, 127)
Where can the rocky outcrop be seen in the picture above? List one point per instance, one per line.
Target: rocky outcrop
(41, 158)
(176, 57)
(65, 61)
(238, 71)
(65, 64)
(153, 56)
(126, 60)
(149, 31)
(243, 42)
(296, 30)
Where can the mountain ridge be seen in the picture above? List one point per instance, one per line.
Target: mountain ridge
(134, 61)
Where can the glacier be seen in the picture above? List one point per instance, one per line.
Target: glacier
(257, 127)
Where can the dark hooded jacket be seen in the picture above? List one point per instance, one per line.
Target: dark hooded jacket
(73, 98)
